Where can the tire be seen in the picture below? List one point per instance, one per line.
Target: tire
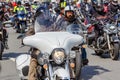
(22, 28)
(1, 49)
(114, 54)
(78, 66)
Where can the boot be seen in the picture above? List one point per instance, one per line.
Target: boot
(85, 62)
(6, 45)
(32, 75)
(0, 56)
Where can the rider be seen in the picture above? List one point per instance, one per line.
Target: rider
(2, 19)
(35, 5)
(67, 19)
(27, 6)
(44, 19)
(17, 9)
(106, 5)
(99, 14)
(114, 7)
(41, 26)
(86, 9)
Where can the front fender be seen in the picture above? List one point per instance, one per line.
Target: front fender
(62, 74)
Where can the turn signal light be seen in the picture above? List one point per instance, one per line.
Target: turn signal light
(72, 65)
(45, 66)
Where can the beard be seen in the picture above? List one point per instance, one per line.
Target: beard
(71, 18)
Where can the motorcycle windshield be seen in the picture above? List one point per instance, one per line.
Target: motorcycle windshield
(74, 29)
(43, 23)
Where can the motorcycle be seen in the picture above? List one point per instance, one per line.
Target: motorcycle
(21, 16)
(107, 41)
(3, 43)
(59, 57)
(117, 18)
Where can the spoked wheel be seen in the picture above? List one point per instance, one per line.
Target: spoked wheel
(114, 53)
(23, 28)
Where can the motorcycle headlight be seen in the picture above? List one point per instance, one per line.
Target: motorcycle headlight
(24, 18)
(20, 18)
(58, 56)
(112, 27)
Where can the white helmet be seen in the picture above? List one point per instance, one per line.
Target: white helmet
(115, 2)
(68, 8)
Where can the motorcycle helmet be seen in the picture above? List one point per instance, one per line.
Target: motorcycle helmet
(115, 2)
(99, 7)
(68, 8)
(35, 3)
(106, 2)
(19, 2)
(69, 13)
(22, 65)
(27, 4)
(57, 9)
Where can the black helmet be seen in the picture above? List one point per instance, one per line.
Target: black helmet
(27, 4)
(106, 2)
(99, 7)
(19, 2)
(57, 9)
(35, 3)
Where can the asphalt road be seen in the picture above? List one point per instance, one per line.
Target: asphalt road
(99, 68)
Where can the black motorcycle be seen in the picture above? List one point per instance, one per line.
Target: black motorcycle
(3, 39)
(106, 40)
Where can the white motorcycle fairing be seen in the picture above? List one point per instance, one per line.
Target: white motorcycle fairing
(22, 63)
(62, 74)
(46, 42)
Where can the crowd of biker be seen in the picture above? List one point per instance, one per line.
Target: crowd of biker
(55, 16)
(8, 9)
(59, 17)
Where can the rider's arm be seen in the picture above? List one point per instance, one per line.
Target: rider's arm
(15, 9)
(25, 10)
